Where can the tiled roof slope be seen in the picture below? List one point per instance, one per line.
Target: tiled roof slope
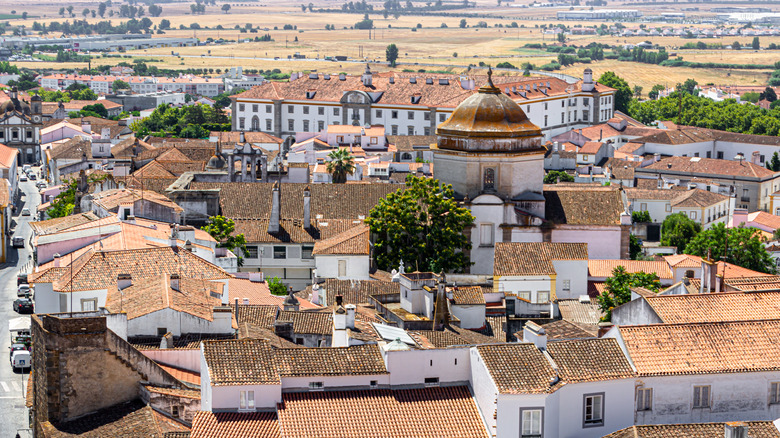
(330, 201)
(710, 166)
(716, 307)
(353, 292)
(308, 322)
(449, 337)
(703, 348)
(235, 425)
(240, 362)
(563, 329)
(677, 198)
(580, 313)
(690, 134)
(756, 429)
(569, 204)
(589, 360)
(534, 258)
(354, 241)
(410, 413)
(341, 361)
(62, 223)
(292, 230)
(467, 295)
(603, 268)
(503, 361)
(155, 293)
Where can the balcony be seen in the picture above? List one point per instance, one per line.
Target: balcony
(745, 199)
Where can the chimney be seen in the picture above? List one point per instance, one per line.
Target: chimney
(166, 341)
(273, 224)
(105, 133)
(350, 315)
(86, 127)
(307, 208)
(441, 316)
(175, 282)
(123, 281)
(130, 219)
(656, 157)
(339, 300)
(604, 327)
(57, 260)
(188, 246)
(291, 303)
(735, 429)
(244, 301)
(533, 332)
(339, 318)
(756, 158)
(242, 138)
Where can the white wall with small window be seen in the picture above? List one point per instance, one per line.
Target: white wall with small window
(571, 280)
(325, 383)
(241, 398)
(532, 288)
(342, 266)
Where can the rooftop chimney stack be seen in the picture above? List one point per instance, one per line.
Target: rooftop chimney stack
(533, 332)
(86, 127)
(273, 224)
(350, 308)
(307, 208)
(242, 138)
(57, 260)
(735, 429)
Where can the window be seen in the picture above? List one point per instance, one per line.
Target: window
(720, 155)
(306, 252)
(693, 215)
(545, 106)
(562, 117)
(291, 125)
(290, 109)
(88, 305)
(241, 122)
(701, 396)
(306, 110)
(320, 125)
(246, 400)
(410, 130)
(563, 104)
(268, 109)
(486, 235)
(342, 268)
(280, 252)
(251, 252)
(442, 118)
(394, 129)
(431, 381)
(545, 120)
(593, 410)
(696, 154)
(410, 115)
(313, 386)
(267, 124)
(336, 111)
(394, 114)
(162, 331)
(241, 107)
(566, 284)
(543, 297)
(774, 392)
(175, 411)
(29, 135)
(644, 399)
(379, 113)
(689, 273)
(255, 124)
(373, 384)
(254, 108)
(426, 116)
(321, 110)
(643, 206)
(709, 154)
(762, 158)
(530, 423)
(525, 295)
(427, 130)
(668, 207)
(306, 125)
(489, 179)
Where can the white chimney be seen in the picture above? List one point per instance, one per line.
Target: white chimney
(350, 315)
(245, 301)
(533, 332)
(735, 429)
(339, 318)
(273, 224)
(57, 260)
(86, 127)
(105, 133)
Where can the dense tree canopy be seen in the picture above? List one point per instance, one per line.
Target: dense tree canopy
(391, 53)
(221, 229)
(742, 246)
(677, 230)
(191, 121)
(623, 94)
(618, 288)
(555, 176)
(422, 225)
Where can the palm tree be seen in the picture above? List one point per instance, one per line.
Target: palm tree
(341, 164)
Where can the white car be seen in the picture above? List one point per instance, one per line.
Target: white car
(23, 178)
(25, 211)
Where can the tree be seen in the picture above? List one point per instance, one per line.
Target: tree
(768, 94)
(341, 164)
(276, 286)
(618, 288)
(657, 88)
(222, 230)
(24, 15)
(634, 247)
(637, 91)
(689, 86)
(623, 93)
(742, 246)
(70, 10)
(641, 216)
(94, 110)
(391, 53)
(463, 24)
(164, 24)
(556, 176)
(423, 226)
(62, 11)
(85, 12)
(677, 230)
(774, 163)
(225, 8)
(101, 9)
(736, 45)
(155, 10)
(756, 43)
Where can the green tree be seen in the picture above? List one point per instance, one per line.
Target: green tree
(226, 8)
(463, 24)
(756, 43)
(742, 246)
(555, 176)
(422, 225)
(96, 110)
(341, 164)
(678, 230)
(736, 45)
(774, 163)
(657, 88)
(101, 9)
(689, 86)
(391, 53)
(634, 247)
(276, 286)
(618, 288)
(768, 94)
(222, 230)
(623, 93)
(641, 216)
(70, 10)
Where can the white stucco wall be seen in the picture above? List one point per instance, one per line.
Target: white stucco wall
(188, 359)
(412, 367)
(471, 317)
(603, 242)
(330, 382)
(328, 266)
(576, 272)
(228, 397)
(177, 323)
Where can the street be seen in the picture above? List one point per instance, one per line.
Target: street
(13, 384)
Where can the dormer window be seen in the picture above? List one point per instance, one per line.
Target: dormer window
(489, 179)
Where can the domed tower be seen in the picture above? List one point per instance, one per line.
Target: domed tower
(490, 146)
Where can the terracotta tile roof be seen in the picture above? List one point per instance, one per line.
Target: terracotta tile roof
(112, 199)
(190, 341)
(450, 336)
(153, 169)
(563, 329)
(7, 156)
(731, 271)
(591, 147)
(183, 393)
(353, 292)
(194, 296)
(495, 327)
(99, 270)
(259, 294)
(689, 134)
(157, 185)
(584, 205)
(248, 330)
(716, 307)
(683, 261)
(709, 166)
(748, 284)
(579, 313)
(409, 413)
(703, 348)
(604, 268)
(71, 149)
(253, 200)
(193, 149)
(240, 362)
(354, 241)
(698, 198)
(127, 148)
(590, 360)
(308, 322)
(756, 429)
(262, 315)
(503, 361)
(467, 295)
(534, 258)
(763, 218)
(342, 361)
(131, 419)
(409, 143)
(249, 137)
(235, 425)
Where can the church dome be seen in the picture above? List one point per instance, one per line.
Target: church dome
(489, 121)
(216, 163)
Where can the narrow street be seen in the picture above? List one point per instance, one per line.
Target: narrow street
(13, 384)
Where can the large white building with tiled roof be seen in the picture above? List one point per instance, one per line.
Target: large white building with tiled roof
(411, 103)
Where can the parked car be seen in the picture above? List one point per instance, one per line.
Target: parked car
(23, 305)
(23, 178)
(25, 211)
(23, 290)
(33, 177)
(18, 242)
(20, 359)
(41, 184)
(21, 279)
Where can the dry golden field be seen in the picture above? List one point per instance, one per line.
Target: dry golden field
(431, 44)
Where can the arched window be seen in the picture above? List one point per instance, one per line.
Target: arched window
(406, 156)
(489, 179)
(255, 123)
